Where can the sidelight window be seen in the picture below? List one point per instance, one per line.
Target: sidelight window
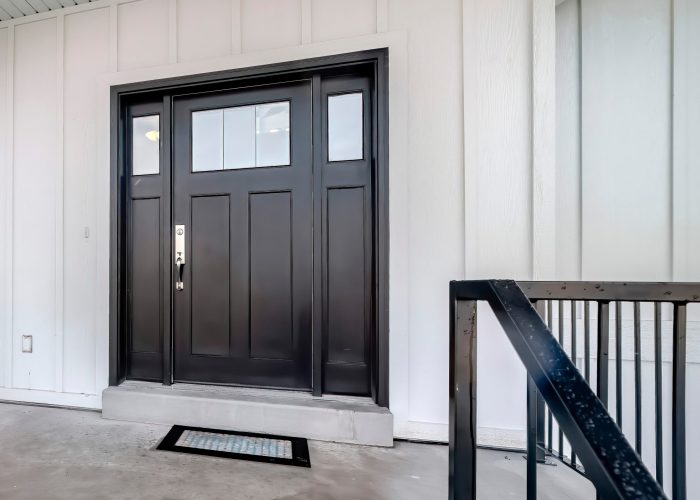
(145, 145)
(241, 137)
(345, 127)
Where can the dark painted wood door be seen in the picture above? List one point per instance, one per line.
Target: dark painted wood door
(242, 189)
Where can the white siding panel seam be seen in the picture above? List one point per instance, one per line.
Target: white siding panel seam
(60, 30)
(236, 40)
(543, 137)
(678, 108)
(9, 208)
(113, 35)
(172, 32)
(470, 117)
(382, 16)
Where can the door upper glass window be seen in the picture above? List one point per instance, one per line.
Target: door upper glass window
(241, 137)
(145, 145)
(345, 127)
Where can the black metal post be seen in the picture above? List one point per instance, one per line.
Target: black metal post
(462, 463)
(678, 410)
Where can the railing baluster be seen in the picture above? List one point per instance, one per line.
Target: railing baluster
(549, 412)
(603, 345)
(658, 395)
(531, 439)
(587, 339)
(637, 380)
(573, 357)
(539, 306)
(561, 343)
(462, 465)
(678, 410)
(618, 363)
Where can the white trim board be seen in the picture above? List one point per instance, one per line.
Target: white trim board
(90, 401)
(397, 44)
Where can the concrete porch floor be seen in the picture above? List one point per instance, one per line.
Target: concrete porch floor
(52, 453)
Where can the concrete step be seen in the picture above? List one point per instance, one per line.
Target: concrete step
(340, 419)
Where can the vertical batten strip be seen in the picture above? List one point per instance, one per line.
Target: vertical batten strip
(60, 29)
(543, 139)
(113, 37)
(9, 207)
(678, 110)
(382, 16)
(172, 32)
(236, 32)
(306, 34)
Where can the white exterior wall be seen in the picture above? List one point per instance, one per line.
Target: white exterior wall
(55, 70)
(494, 170)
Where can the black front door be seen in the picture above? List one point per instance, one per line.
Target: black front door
(252, 232)
(242, 201)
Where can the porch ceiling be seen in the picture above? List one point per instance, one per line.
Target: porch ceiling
(12, 9)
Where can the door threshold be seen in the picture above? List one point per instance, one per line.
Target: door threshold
(345, 419)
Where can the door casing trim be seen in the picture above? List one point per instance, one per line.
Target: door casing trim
(118, 191)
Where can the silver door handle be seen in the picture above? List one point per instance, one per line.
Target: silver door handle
(179, 254)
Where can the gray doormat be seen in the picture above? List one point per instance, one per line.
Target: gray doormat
(240, 445)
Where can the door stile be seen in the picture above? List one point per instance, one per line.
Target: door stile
(168, 245)
(317, 228)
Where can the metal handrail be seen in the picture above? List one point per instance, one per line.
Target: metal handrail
(609, 460)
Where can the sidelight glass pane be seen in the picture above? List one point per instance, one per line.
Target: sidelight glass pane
(239, 137)
(345, 127)
(145, 145)
(207, 140)
(272, 134)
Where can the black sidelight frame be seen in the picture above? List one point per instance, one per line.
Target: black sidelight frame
(374, 62)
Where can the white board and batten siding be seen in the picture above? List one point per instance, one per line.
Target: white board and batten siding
(495, 170)
(55, 177)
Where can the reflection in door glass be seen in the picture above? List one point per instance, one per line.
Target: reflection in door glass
(145, 145)
(345, 127)
(207, 140)
(241, 137)
(272, 134)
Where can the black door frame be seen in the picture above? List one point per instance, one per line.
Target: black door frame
(375, 61)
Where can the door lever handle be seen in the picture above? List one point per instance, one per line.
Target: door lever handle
(179, 285)
(179, 254)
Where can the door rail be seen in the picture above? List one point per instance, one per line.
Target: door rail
(610, 462)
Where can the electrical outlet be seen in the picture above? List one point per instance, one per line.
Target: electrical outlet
(27, 343)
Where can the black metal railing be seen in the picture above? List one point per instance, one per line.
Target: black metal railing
(609, 461)
(567, 309)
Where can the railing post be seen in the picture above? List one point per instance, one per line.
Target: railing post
(462, 465)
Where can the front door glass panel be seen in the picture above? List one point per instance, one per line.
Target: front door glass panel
(241, 137)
